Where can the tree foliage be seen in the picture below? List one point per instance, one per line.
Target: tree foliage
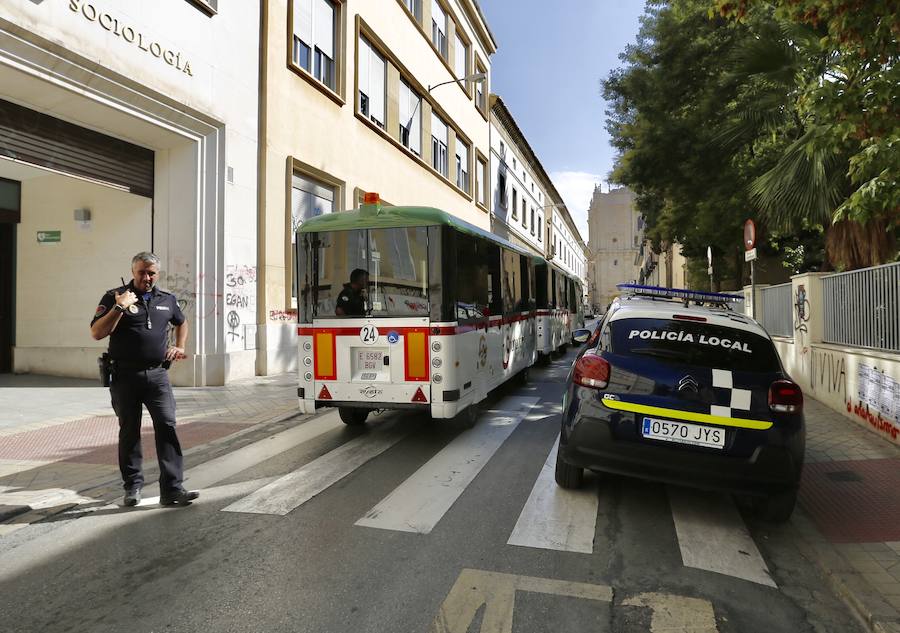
(780, 110)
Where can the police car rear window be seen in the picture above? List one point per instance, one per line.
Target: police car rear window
(690, 343)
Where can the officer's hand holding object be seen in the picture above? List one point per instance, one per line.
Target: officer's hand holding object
(175, 353)
(126, 299)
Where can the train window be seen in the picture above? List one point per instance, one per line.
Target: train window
(527, 285)
(471, 277)
(541, 286)
(512, 276)
(398, 265)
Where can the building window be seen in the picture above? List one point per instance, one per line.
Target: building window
(461, 57)
(462, 165)
(515, 204)
(372, 83)
(501, 188)
(439, 145)
(540, 234)
(532, 220)
(481, 182)
(415, 7)
(439, 28)
(315, 26)
(524, 211)
(309, 198)
(481, 89)
(514, 163)
(615, 262)
(410, 119)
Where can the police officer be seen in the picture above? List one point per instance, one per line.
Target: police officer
(136, 318)
(351, 301)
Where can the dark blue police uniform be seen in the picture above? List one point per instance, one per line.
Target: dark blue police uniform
(137, 347)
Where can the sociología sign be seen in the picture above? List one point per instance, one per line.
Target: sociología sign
(131, 35)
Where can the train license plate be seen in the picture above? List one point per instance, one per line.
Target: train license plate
(683, 433)
(368, 365)
(367, 360)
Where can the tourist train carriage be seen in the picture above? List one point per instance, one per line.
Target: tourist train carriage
(559, 308)
(449, 312)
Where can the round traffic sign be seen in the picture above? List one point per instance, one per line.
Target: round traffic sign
(749, 235)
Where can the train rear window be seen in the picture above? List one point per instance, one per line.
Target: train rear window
(698, 344)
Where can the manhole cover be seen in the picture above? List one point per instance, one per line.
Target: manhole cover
(843, 475)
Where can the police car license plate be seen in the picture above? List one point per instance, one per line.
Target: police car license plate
(683, 433)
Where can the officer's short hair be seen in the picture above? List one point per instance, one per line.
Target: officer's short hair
(358, 275)
(145, 256)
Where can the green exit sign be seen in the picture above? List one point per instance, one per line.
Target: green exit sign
(49, 237)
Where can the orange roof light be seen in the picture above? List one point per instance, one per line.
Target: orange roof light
(371, 198)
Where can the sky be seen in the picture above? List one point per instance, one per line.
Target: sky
(552, 56)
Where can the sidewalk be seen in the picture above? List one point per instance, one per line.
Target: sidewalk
(58, 436)
(849, 523)
(58, 449)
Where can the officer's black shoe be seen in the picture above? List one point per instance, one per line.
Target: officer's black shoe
(132, 497)
(178, 497)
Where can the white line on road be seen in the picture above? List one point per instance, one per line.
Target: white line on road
(421, 501)
(230, 464)
(712, 536)
(555, 518)
(296, 488)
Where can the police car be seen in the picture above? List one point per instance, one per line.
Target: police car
(675, 386)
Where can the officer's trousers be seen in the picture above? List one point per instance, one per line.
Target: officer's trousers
(130, 389)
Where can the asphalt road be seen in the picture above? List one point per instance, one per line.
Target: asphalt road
(411, 525)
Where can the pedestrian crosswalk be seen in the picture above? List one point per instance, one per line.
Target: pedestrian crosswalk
(710, 532)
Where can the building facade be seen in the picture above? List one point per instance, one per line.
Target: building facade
(615, 239)
(521, 188)
(526, 208)
(365, 97)
(128, 126)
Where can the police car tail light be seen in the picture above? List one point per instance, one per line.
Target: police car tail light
(592, 371)
(785, 397)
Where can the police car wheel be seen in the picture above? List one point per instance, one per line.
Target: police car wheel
(778, 508)
(567, 476)
(353, 416)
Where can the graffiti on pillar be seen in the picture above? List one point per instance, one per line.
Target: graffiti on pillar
(801, 307)
(240, 300)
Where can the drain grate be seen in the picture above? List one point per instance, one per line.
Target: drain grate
(843, 475)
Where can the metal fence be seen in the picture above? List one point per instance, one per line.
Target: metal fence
(777, 310)
(862, 307)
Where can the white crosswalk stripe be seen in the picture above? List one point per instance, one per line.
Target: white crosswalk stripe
(712, 536)
(296, 488)
(422, 500)
(554, 518)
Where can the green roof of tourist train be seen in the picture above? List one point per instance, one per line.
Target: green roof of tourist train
(384, 217)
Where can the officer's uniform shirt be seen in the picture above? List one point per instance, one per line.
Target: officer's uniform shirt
(351, 301)
(141, 336)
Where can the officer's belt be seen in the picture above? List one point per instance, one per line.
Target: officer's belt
(138, 365)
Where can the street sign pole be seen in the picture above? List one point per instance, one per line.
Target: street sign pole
(750, 255)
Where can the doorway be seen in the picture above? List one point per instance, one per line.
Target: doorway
(10, 202)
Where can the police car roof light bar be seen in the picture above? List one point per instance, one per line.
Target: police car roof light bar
(719, 298)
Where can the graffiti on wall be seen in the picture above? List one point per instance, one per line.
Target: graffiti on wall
(801, 309)
(878, 400)
(827, 372)
(282, 315)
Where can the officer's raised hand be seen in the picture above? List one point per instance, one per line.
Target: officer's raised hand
(126, 299)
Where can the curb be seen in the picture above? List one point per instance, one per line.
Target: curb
(857, 594)
(11, 512)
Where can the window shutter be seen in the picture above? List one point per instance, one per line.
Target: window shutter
(460, 58)
(376, 85)
(324, 29)
(365, 55)
(303, 20)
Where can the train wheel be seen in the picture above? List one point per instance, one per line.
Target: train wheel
(468, 417)
(353, 417)
(523, 376)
